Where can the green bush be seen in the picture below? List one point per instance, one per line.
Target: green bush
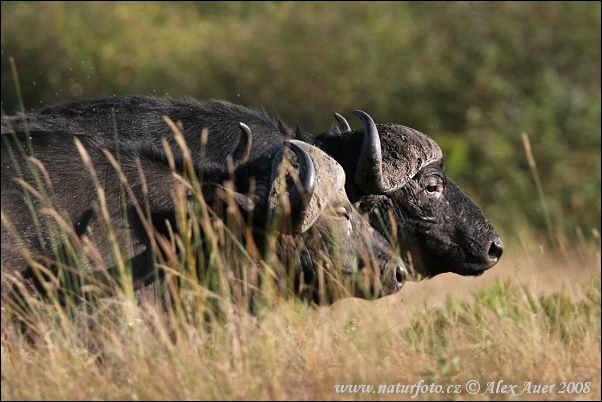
(473, 75)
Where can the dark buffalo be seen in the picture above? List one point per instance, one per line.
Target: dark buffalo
(318, 226)
(139, 119)
(394, 173)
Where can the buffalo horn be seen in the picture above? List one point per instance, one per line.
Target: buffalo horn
(345, 127)
(369, 172)
(240, 154)
(299, 200)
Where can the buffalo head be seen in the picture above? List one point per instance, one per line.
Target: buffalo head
(300, 189)
(397, 179)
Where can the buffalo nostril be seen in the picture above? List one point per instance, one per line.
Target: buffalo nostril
(496, 249)
(401, 274)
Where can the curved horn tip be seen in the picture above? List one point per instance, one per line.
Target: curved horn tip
(246, 131)
(242, 150)
(299, 200)
(307, 170)
(344, 125)
(362, 115)
(369, 171)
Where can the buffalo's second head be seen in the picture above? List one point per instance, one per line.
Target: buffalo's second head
(296, 197)
(398, 181)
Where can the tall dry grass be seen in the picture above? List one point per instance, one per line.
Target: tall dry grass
(535, 317)
(532, 320)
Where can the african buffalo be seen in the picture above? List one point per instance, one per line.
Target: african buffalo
(394, 173)
(47, 178)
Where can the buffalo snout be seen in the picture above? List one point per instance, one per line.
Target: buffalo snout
(396, 276)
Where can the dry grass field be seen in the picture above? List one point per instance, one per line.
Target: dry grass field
(529, 329)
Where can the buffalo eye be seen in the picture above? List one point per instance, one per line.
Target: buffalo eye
(342, 215)
(342, 212)
(434, 187)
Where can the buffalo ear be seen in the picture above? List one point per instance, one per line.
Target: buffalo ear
(247, 202)
(215, 192)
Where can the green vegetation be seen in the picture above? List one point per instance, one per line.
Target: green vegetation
(473, 75)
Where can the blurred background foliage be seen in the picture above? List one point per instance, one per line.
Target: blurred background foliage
(474, 76)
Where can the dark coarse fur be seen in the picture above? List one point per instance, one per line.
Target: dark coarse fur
(138, 120)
